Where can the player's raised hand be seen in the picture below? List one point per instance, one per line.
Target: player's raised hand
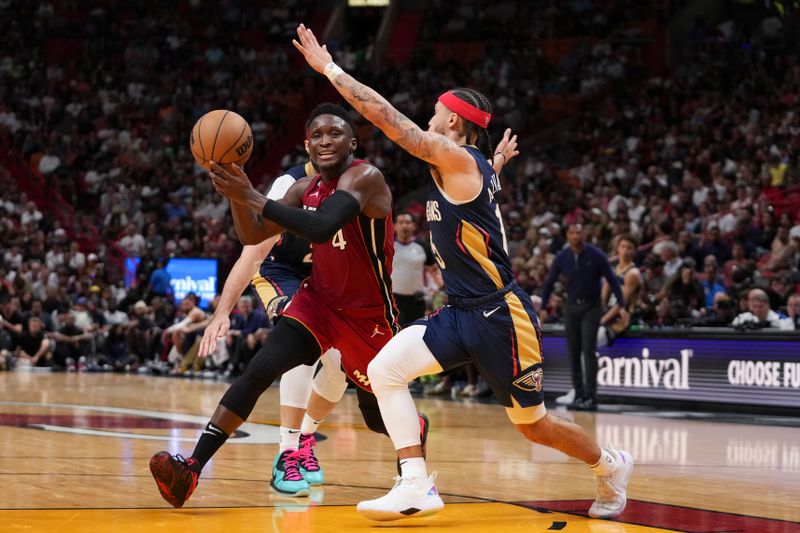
(216, 329)
(507, 146)
(316, 56)
(230, 181)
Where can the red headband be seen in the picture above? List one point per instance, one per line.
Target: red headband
(465, 110)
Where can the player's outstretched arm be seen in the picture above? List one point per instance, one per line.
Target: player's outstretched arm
(238, 279)
(432, 147)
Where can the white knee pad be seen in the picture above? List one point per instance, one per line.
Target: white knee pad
(331, 382)
(404, 358)
(296, 386)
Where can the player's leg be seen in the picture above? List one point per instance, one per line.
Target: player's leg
(295, 389)
(572, 332)
(613, 468)
(590, 322)
(406, 357)
(289, 345)
(523, 392)
(328, 387)
(295, 385)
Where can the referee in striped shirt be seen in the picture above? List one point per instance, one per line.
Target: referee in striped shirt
(412, 259)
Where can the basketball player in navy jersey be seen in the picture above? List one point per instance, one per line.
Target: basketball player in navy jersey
(489, 320)
(276, 267)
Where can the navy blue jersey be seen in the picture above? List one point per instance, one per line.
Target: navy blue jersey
(290, 252)
(468, 239)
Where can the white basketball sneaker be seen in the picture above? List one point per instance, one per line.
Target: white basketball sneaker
(567, 398)
(410, 497)
(612, 489)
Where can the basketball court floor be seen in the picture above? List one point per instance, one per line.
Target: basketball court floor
(74, 451)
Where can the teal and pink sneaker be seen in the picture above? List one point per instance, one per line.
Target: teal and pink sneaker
(286, 476)
(309, 465)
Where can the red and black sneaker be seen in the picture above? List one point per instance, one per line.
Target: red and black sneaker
(175, 476)
(424, 424)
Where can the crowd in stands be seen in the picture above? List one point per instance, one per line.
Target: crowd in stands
(700, 167)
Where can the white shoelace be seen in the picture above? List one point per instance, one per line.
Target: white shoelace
(400, 481)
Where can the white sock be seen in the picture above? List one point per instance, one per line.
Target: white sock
(290, 439)
(413, 467)
(310, 425)
(606, 464)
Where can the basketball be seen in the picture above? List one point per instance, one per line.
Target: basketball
(222, 136)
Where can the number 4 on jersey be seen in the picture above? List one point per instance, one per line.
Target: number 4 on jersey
(338, 240)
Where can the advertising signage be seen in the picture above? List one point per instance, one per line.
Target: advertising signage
(188, 274)
(731, 369)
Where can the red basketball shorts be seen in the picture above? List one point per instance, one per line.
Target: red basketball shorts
(359, 334)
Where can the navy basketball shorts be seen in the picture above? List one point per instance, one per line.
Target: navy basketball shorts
(274, 284)
(500, 334)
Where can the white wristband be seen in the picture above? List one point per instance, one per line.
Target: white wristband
(332, 70)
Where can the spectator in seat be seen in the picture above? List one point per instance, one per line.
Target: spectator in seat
(780, 288)
(244, 327)
(141, 332)
(85, 321)
(710, 283)
(160, 280)
(714, 245)
(669, 253)
(782, 250)
(38, 311)
(185, 333)
(721, 313)
(683, 289)
(33, 348)
(793, 310)
(73, 344)
(116, 355)
(12, 322)
(132, 243)
(759, 315)
(738, 261)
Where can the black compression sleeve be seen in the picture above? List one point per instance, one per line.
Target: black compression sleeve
(317, 226)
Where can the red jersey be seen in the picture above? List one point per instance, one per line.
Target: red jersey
(353, 270)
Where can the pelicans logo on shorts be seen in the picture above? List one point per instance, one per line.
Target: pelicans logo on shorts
(530, 381)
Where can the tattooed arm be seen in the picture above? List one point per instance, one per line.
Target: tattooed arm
(436, 149)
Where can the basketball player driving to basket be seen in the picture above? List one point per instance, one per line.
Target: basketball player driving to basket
(489, 320)
(345, 211)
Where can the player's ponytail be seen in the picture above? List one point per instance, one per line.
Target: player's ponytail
(475, 133)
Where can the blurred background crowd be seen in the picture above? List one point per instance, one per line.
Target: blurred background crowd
(676, 127)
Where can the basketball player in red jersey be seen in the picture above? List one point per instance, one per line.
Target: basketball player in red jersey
(345, 211)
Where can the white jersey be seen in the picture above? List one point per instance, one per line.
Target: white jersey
(408, 267)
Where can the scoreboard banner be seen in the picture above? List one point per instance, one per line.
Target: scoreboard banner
(722, 366)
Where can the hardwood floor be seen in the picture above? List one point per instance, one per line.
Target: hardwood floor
(74, 452)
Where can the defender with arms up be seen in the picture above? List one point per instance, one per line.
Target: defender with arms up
(489, 321)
